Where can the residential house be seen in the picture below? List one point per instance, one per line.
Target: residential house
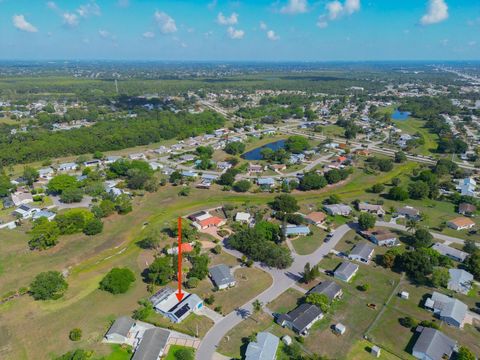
(264, 348)
(137, 156)
(46, 173)
(362, 252)
(409, 212)
(243, 217)
(22, 198)
(266, 183)
(111, 159)
(301, 319)
(451, 252)
(297, 230)
(278, 167)
(223, 165)
(372, 209)
(43, 213)
(165, 302)
(25, 211)
(187, 158)
(346, 271)
(199, 216)
(329, 288)
(92, 163)
(186, 248)
(120, 331)
(467, 209)
(467, 187)
(71, 166)
(460, 281)
(338, 209)
(447, 309)
(296, 158)
(432, 344)
(461, 223)
(316, 218)
(152, 344)
(222, 277)
(381, 237)
(255, 169)
(189, 174)
(211, 221)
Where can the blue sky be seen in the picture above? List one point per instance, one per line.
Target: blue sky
(292, 30)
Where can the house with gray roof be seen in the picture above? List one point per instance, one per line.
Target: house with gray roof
(362, 252)
(166, 303)
(329, 288)
(346, 271)
(222, 277)
(119, 332)
(460, 281)
(452, 253)
(300, 319)
(265, 348)
(152, 345)
(338, 209)
(432, 344)
(447, 309)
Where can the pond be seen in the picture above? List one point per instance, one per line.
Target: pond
(256, 154)
(400, 115)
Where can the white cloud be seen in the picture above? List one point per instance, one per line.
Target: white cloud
(51, 5)
(334, 9)
(165, 22)
(22, 24)
(263, 26)
(148, 35)
(437, 12)
(235, 33)
(104, 34)
(90, 9)
(70, 19)
(352, 6)
(295, 7)
(230, 20)
(272, 36)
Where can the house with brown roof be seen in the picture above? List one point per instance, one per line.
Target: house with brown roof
(381, 237)
(466, 209)
(372, 209)
(316, 218)
(461, 223)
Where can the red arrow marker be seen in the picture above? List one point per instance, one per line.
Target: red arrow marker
(179, 294)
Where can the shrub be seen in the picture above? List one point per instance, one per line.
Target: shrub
(117, 281)
(50, 285)
(93, 227)
(75, 334)
(192, 282)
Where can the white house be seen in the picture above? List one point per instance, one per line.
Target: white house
(25, 211)
(166, 303)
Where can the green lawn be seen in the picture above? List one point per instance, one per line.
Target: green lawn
(119, 353)
(413, 126)
(173, 349)
(286, 302)
(305, 245)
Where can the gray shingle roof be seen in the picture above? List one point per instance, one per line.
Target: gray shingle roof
(152, 344)
(362, 250)
(434, 344)
(121, 326)
(265, 348)
(450, 251)
(346, 269)
(221, 275)
(302, 316)
(460, 280)
(449, 307)
(328, 288)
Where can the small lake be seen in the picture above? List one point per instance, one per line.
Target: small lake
(256, 154)
(401, 115)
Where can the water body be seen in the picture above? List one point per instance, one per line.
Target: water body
(401, 115)
(256, 154)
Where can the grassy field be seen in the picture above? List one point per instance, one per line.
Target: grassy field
(413, 126)
(362, 351)
(173, 349)
(286, 302)
(307, 244)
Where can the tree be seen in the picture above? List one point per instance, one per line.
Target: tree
(312, 181)
(412, 225)
(398, 194)
(367, 221)
(73, 221)
(310, 273)
(44, 234)
(472, 263)
(123, 204)
(257, 306)
(184, 354)
(418, 190)
(297, 144)
(77, 354)
(30, 175)
(465, 353)
(117, 281)
(470, 246)
(285, 203)
(320, 300)
(423, 238)
(417, 264)
(440, 277)
(93, 227)
(5, 184)
(61, 182)
(388, 259)
(228, 177)
(75, 334)
(242, 186)
(235, 148)
(400, 157)
(378, 188)
(50, 285)
(71, 195)
(161, 271)
(175, 177)
(144, 311)
(199, 267)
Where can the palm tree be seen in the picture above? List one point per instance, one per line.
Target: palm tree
(412, 225)
(257, 306)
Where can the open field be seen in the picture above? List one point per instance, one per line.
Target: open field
(307, 244)
(413, 126)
